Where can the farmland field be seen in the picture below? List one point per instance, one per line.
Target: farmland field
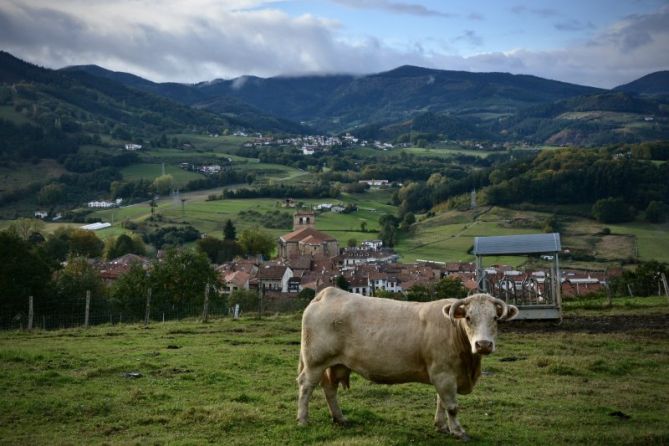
(150, 172)
(233, 382)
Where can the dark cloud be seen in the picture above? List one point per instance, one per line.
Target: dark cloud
(394, 7)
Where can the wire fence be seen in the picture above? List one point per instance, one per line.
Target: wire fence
(49, 314)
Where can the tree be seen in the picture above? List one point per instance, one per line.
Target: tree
(246, 299)
(388, 232)
(129, 291)
(85, 243)
(341, 282)
(24, 227)
(77, 277)
(363, 226)
(23, 273)
(611, 210)
(163, 184)
(181, 278)
(306, 294)
(124, 244)
(449, 287)
(255, 241)
(229, 231)
(352, 243)
(407, 221)
(219, 251)
(419, 293)
(656, 212)
(643, 281)
(51, 194)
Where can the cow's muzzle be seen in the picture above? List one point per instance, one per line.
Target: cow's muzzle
(484, 347)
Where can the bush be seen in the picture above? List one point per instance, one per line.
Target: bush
(611, 210)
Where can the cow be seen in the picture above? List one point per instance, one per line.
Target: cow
(390, 342)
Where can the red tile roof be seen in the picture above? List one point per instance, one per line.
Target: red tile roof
(313, 234)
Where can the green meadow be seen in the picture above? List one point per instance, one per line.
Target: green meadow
(233, 382)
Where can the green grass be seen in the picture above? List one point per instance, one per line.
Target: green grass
(210, 216)
(20, 175)
(8, 113)
(150, 172)
(233, 382)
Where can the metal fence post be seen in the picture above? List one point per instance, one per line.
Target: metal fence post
(147, 312)
(30, 313)
(88, 308)
(205, 309)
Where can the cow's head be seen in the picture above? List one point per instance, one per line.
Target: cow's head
(479, 315)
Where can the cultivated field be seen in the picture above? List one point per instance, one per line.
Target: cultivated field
(589, 381)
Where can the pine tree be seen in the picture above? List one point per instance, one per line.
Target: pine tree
(229, 231)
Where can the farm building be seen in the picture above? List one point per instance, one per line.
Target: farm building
(537, 296)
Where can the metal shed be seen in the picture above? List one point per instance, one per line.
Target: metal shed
(536, 295)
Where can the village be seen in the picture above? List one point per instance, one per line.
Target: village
(311, 259)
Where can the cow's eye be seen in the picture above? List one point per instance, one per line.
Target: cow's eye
(469, 319)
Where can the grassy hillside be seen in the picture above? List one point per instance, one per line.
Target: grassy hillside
(448, 237)
(233, 382)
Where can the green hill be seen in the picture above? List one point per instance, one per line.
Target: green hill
(651, 84)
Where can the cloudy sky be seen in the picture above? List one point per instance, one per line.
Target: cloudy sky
(594, 42)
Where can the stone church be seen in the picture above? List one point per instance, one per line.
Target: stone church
(306, 240)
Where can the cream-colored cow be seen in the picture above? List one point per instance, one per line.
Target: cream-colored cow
(391, 342)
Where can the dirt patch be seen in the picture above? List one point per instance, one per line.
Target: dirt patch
(615, 247)
(599, 324)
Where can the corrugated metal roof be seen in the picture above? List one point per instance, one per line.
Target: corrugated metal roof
(517, 244)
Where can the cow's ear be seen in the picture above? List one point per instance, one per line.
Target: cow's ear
(512, 312)
(460, 311)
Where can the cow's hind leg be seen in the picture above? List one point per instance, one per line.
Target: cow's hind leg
(307, 380)
(330, 383)
(447, 388)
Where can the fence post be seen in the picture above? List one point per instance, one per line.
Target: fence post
(261, 291)
(148, 308)
(205, 310)
(664, 282)
(30, 313)
(88, 308)
(235, 312)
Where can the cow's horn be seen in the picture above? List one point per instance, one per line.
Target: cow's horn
(505, 307)
(454, 307)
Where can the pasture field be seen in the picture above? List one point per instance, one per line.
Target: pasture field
(210, 216)
(150, 172)
(19, 175)
(233, 382)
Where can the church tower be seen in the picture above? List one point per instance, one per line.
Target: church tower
(304, 219)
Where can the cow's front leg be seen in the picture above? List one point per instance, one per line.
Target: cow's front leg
(440, 417)
(446, 389)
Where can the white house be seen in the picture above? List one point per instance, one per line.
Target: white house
(372, 244)
(133, 147)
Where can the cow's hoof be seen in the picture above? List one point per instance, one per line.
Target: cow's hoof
(340, 421)
(462, 436)
(443, 429)
(302, 423)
